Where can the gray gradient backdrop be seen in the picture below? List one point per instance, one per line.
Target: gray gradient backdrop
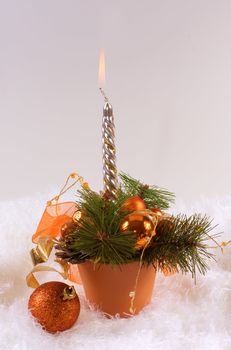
(168, 69)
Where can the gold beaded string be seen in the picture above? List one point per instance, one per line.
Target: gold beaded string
(221, 245)
(67, 187)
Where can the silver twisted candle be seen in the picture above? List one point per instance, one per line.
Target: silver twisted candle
(108, 129)
(109, 150)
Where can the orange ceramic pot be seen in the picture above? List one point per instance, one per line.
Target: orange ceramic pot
(110, 288)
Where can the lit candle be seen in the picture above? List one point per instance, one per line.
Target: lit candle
(108, 129)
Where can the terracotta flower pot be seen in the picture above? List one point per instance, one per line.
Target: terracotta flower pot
(111, 289)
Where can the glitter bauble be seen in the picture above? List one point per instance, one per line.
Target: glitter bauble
(55, 305)
(68, 228)
(168, 271)
(133, 203)
(142, 223)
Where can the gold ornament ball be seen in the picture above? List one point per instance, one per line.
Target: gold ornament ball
(80, 216)
(77, 216)
(142, 224)
(133, 203)
(55, 305)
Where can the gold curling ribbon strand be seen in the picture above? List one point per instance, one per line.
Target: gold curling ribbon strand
(32, 282)
(132, 294)
(41, 253)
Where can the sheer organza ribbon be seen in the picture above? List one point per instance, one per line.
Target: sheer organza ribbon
(53, 218)
(48, 230)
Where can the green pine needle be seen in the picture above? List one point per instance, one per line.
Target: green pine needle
(181, 244)
(153, 196)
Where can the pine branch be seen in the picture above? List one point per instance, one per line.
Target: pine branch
(153, 196)
(87, 243)
(181, 244)
(98, 237)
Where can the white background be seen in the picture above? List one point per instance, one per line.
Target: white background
(168, 69)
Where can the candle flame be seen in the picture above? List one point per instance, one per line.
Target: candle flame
(101, 69)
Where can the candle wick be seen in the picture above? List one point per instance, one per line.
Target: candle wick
(104, 95)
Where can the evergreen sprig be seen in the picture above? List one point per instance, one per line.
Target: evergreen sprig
(97, 237)
(181, 243)
(153, 196)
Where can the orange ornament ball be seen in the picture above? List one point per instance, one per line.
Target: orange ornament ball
(55, 305)
(157, 211)
(67, 228)
(133, 203)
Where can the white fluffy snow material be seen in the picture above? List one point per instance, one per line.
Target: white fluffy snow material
(182, 315)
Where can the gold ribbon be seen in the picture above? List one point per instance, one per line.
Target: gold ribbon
(32, 282)
(41, 254)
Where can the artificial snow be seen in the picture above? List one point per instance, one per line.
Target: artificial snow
(182, 314)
